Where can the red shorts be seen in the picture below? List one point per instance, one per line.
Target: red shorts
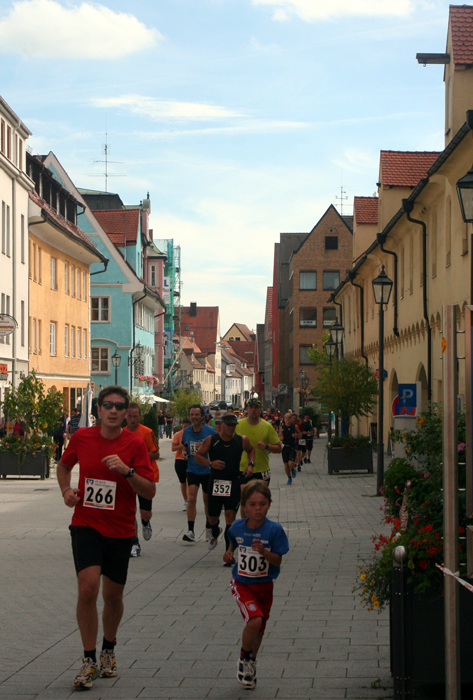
(253, 599)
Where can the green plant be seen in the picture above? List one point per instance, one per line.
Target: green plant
(398, 474)
(182, 399)
(151, 421)
(349, 444)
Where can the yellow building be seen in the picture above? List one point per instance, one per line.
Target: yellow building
(423, 243)
(59, 308)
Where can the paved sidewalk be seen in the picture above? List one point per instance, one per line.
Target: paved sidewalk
(181, 631)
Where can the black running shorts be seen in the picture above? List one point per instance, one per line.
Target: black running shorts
(180, 465)
(112, 554)
(288, 454)
(145, 503)
(310, 444)
(265, 476)
(231, 502)
(198, 480)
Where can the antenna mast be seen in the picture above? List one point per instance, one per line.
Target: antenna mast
(342, 198)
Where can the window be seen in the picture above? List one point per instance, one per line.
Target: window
(2, 136)
(40, 345)
(38, 265)
(78, 343)
(100, 360)
(331, 279)
(84, 287)
(73, 335)
(331, 242)
(304, 355)
(448, 233)
(9, 142)
(66, 277)
(308, 318)
(73, 287)
(53, 273)
(100, 309)
(4, 228)
(78, 284)
(330, 316)
(84, 343)
(30, 261)
(22, 330)
(153, 275)
(308, 280)
(2, 310)
(66, 341)
(22, 242)
(52, 339)
(8, 232)
(7, 311)
(34, 336)
(433, 246)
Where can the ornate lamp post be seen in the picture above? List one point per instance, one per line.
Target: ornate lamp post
(336, 333)
(382, 287)
(116, 359)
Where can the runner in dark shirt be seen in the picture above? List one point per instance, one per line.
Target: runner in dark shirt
(288, 435)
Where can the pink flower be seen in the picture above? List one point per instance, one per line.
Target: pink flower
(34, 454)
(461, 446)
(426, 475)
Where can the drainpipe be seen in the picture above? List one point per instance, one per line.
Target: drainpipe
(99, 272)
(351, 277)
(382, 240)
(408, 206)
(133, 320)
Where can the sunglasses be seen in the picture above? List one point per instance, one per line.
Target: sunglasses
(119, 405)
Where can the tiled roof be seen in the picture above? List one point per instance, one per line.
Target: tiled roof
(120, 225)
(365, 210)
(405, 168)
(64, 223)
(461, 21)
(204, 326)
(245, 349)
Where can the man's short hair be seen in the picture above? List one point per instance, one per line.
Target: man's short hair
(108, 390)
(133, 404)
(196, 405)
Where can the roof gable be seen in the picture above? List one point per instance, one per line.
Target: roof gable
(365, 210)
(120, 225)
(461, 23)
(405, 168)
(204, 325)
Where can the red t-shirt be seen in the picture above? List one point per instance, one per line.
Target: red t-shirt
(107, 507)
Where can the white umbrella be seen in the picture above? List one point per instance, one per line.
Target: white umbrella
(152, 398)
(86, 408)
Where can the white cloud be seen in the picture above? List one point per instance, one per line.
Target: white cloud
(46, 29)
(163, 110)
(358, 161)
(313, 10)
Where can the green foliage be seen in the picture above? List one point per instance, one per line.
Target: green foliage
(399, 472)
(347, 387)
(40, 410)
(151, 421)
(351, 444)
(313, 415)
(182, 399)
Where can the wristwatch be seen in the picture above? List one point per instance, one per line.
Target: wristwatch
(251, 464)
(130, 473)
(267, 447)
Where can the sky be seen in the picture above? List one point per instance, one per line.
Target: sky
(242, 118)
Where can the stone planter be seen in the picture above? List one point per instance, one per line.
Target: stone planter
(355, 460)
(417, 636)
(32, 465)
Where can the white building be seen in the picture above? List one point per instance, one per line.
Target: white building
(14, 188)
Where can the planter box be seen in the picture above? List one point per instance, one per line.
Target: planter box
(36, 465)
(357, 459)
(417, 635)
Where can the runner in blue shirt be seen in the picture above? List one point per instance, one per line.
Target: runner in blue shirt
(197, 475)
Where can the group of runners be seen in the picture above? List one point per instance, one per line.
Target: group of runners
(229, 463)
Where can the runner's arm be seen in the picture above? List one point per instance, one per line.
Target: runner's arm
(272, 557)
(201, 454)
(70, 495)
(228, 556)
(140, 485)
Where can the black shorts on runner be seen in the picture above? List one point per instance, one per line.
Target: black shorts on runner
(112, 554)
(180, 465)
(198, 480)
(288, 454)
(310, 444)
(301, 448)
(231, 502)
(145, 503)
(265, 476)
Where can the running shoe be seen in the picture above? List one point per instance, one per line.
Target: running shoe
(308, 461)
(299, 468)
(246, 673)
(289, 482)
(147, 530)
(208, 533)
(108, 664)
(135, 550)
(213, 542)
(189, 536)
(293, 473)
(185, 506)
(87, 673)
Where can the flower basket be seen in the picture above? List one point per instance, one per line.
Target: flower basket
(350, 456)
(31, 465)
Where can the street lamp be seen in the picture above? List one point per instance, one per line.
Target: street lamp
(330, 348)
(116, 359)
(336, 333)
(465, 195)
(382, 287)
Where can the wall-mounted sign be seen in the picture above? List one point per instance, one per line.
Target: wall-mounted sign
(166, 291)
(3, 372)
(7, 324)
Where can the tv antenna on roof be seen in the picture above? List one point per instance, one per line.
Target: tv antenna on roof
(342, 198)
(106, 161)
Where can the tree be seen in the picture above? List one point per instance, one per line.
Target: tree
(29, 401)
(347, 387)
(150, 419)
(182, 399)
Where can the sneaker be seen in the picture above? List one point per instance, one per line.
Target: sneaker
(147, 530)
(135, 550)
(246, 673)
(308, 461)
(208, 534)
(189, 536)
(293, 473)
(87, 673)
(108, 664)
(289, 482)
(299, 468)
(184, 508)
(213, 542)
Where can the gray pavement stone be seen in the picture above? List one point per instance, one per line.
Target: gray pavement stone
(181, 632)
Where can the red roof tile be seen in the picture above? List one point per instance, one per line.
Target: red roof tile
(120, 225)
(365, 210)
(461, 21)
(405, 168)
(245, 349)
(204, 326)
(64, 223)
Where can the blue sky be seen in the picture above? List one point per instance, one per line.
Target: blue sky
(242, 118)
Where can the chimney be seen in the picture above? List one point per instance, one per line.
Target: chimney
(151, 234)
(193, 309)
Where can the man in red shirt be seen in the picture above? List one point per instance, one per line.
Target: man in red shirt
(133, 424)
(114, 466)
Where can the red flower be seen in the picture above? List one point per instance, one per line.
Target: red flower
(423, 564)
(428, 528)
(461, 530)
(397, 523)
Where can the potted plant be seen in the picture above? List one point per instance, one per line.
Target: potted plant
(413, 512)
(38, 411)
(348, 388)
